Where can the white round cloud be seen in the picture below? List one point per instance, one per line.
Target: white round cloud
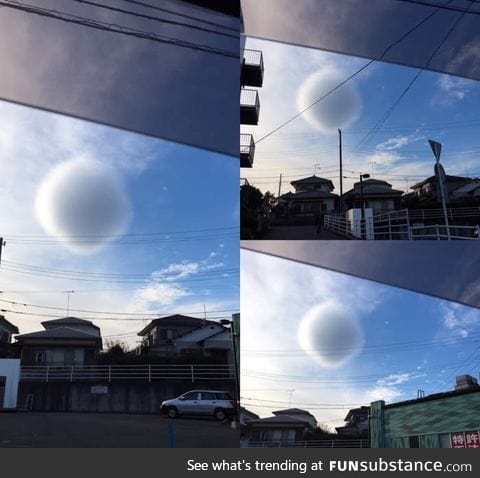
(83, 197)
(330, 333)
(337, 110)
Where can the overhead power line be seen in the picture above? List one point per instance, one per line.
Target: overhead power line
(157, 19)
(117, 236)
(152, 281)
(182, 15)
(87, 311)
(395, 104)
(131, 319)
(114, 28)
(353, 75)
(155, 275)
(342, 380)
(441, 6)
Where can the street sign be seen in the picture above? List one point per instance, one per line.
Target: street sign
(436, 148)
(441, 182)
(442, 194)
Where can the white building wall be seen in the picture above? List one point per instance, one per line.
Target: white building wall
(10, 368)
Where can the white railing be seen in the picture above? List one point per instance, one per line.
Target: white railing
(109, 373)
(339, 224)
(440, 232)
(351, 443)
(401, 225)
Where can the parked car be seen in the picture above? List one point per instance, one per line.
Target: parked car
(216, 403)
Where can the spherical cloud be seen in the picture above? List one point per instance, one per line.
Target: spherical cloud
(82, 197)
(337, 110)
(330, 334)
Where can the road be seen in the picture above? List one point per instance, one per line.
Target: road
(300, 233)
(89, 430)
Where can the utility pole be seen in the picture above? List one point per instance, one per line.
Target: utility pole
(341, 167)
(280, 185)
(290, 398)
(2, 243)
(68, 292)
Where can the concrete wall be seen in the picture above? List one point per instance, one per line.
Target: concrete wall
(124, 396)
(10, 369)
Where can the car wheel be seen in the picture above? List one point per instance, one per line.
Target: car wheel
(220, 414)
(172, 412)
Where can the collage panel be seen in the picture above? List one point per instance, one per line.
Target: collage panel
(359, 225)
(119, 249)
(345, 143)
(333, 360)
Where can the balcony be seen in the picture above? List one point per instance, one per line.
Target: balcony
(252, 68)
(247, 150)
(249, 106)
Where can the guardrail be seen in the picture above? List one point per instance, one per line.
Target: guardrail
(397, 225)
(109, 373)
(352, 443)
(439, 232)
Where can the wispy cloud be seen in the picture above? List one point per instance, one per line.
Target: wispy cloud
(398, 142)
(452, 90)
(460, 320)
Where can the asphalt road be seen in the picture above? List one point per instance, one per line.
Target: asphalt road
(88, 430)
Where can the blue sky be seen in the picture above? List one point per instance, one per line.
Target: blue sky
(381, 342)
(65, 177)
(437, 106)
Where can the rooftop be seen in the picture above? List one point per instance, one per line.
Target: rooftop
(175, 321)
(12, 328)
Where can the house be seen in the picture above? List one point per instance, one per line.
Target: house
(7, 329)
(356, 423)
(178, 334)
(64, 342)
(247, 416)
(425, 192)
(312, 195)
(285, 428)
(377, 195)
(442, 420)
(468, 193)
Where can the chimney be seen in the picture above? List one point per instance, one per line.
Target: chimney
(466, 382)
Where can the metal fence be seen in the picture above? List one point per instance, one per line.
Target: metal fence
(407, 225)
(110, 373)
(352, 443)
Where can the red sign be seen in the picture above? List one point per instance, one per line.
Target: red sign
(457, 440)
(472, 440)
(465, 440)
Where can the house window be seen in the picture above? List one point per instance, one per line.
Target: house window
(40, 357)
(166, 334)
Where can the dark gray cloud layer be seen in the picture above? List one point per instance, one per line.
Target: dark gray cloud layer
(158, 89)
(365, 29)
(446, 269)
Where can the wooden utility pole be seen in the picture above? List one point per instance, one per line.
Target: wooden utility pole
(280, 185)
